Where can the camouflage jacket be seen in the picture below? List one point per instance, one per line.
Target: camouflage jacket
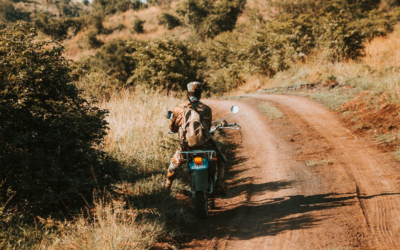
(179, 111)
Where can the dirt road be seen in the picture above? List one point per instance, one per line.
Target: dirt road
(301, 182)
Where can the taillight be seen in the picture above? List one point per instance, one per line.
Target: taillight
(215, 159)
(198, 160)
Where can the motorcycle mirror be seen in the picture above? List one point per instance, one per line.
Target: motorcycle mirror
(169, 115)
(234, 109)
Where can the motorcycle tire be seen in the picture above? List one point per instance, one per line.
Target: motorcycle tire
(200, 204)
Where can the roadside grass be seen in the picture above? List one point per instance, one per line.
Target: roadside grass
(270, 111)
(139, 213)
(387, 139)
(314, 163)
(396, 154)
(378, 71)
(332, 99)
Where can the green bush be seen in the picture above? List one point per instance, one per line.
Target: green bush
(166, 63)
(276, 45)
(339, 40)
(137, 25)
(113, 58)
(114, 6)
(168, 20)
(57, 28)
(49, 135)
(8, 13)
(92, 40)
(208, 17)
(97, 21)
(225, 61)
(98, 85)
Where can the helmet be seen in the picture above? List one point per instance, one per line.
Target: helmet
(194, 90)
(194, 87)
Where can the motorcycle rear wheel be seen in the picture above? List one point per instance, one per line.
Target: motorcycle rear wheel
(200, 204)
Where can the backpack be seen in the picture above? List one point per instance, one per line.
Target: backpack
(192, 131)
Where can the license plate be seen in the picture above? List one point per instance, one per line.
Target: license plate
(194, 166)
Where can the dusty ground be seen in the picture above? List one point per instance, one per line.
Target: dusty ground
(301, 182)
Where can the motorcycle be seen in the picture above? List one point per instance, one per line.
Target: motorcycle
(202, 169)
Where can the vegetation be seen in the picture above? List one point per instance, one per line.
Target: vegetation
(137, 25)
(57, 28)
(209, 18)
(168, 20)
(8, 12)
(92, 40)
(112, 7)
(167, 64)
(49, 134)
(270, 111)
(114, 59)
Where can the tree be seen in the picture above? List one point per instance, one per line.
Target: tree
(49, 135)
(113, 58)
(209, 18)
(166, 63)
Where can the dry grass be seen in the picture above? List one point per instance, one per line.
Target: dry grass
(378, 71)
(76, 47)
(111, 226)
(318, 163)
(270, 111)
(138, 129)
(139, 215)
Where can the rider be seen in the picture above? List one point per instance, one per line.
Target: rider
(194, 90)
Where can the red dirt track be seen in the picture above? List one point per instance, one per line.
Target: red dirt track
(301, 182)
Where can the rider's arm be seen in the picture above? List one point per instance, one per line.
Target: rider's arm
(176, 121)
(208, 118)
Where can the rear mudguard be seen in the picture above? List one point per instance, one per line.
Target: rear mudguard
(203, 180)
(199, 180)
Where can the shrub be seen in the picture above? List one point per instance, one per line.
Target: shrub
(113, 58)
(275, 46)
(209, 18)
(49, 134)
(57, 28)
(92, 40)
(225, 62)
(339, 40)
(8, 13)
(114, 6)
(137, 25)
(97, 84)
(168, 20)
(166, 63)
(97, 21)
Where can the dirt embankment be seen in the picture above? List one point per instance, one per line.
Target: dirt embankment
(302, 182)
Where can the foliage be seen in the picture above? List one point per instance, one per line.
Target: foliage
(137, 25)
(49, 134)
(57, 28)
(317, 8)
(98, 85)
(159, 2)
(97, 21)
(209, 18)
(340, 41)
(114, 6)
(166, 63)
(168, 20)
(225, 62)
(92, 40)
(113, 58)
(278, 43)
(8, 13)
